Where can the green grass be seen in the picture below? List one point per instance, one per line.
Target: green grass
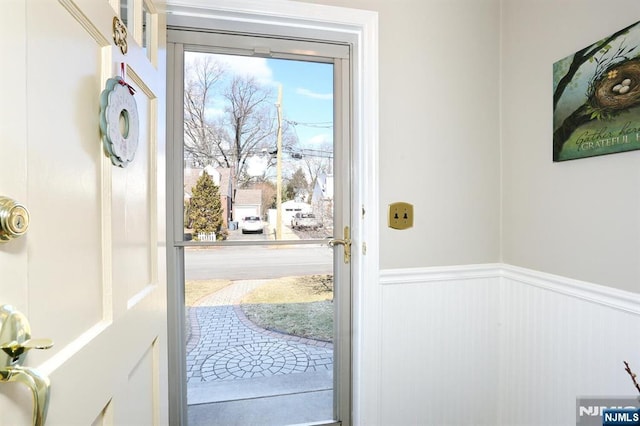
(306, 288)
(298, 306)
(313, 320)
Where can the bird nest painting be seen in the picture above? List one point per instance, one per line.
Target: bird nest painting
(596, 98)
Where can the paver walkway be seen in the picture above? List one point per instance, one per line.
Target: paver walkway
(224, 345)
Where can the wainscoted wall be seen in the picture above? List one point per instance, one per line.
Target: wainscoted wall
(440, 354)
(500, 345)
(561, 338)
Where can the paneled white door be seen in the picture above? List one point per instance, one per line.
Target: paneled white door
(90, 271)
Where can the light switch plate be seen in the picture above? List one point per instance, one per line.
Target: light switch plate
(400, 215)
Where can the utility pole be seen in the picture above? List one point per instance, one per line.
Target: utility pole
(279, 168)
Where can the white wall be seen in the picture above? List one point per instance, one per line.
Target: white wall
(444, 66)
(439, 93)
(578, 218)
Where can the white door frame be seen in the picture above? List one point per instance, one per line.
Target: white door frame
(360, 29)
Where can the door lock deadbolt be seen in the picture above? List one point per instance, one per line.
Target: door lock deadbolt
(14, 219)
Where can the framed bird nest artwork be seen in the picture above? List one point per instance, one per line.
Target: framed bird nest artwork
(596, 98)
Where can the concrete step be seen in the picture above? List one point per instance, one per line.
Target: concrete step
(294, 409)
(240, 389)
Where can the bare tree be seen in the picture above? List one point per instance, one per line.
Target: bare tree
(202, 137)
(318, 162)
(251, 124)
(245, 124)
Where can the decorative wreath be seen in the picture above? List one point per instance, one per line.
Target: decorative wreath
(119, 121)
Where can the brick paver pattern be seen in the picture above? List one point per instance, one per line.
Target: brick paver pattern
(224, 345)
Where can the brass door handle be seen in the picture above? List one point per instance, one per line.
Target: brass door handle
(36, 382)
(15, 342)
(15, 349)
(346, 242)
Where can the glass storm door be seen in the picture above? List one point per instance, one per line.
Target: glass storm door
(261, 211)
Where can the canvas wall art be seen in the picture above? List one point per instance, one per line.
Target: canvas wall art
(596, 98)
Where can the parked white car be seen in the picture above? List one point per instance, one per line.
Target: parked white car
(305, 221)
(252, 224)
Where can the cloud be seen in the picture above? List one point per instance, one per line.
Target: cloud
(213, 112)
(321, 139)
(242, 65)
(314, 95)
(250, 66)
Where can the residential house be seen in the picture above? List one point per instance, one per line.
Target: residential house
(290, 208)
(248, 202)
(322, 199)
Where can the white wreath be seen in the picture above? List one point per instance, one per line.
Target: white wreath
(117, 103)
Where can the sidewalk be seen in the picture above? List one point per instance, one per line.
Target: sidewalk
(233, 363)
(287, 233)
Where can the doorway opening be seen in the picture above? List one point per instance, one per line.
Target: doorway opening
(266, 182)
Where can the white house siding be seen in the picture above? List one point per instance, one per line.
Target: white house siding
(248, 202)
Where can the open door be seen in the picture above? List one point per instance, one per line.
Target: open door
(89, 271)
(265, 236)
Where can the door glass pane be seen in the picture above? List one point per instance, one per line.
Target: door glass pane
(260, 325)
(124, 12)
(258, 167)
(147, 29)
(269, 157)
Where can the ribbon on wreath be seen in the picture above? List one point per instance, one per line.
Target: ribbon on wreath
(123, 81)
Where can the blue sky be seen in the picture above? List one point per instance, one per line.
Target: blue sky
(307, 97)
(307, 92)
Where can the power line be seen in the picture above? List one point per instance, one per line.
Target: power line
(318, 124)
